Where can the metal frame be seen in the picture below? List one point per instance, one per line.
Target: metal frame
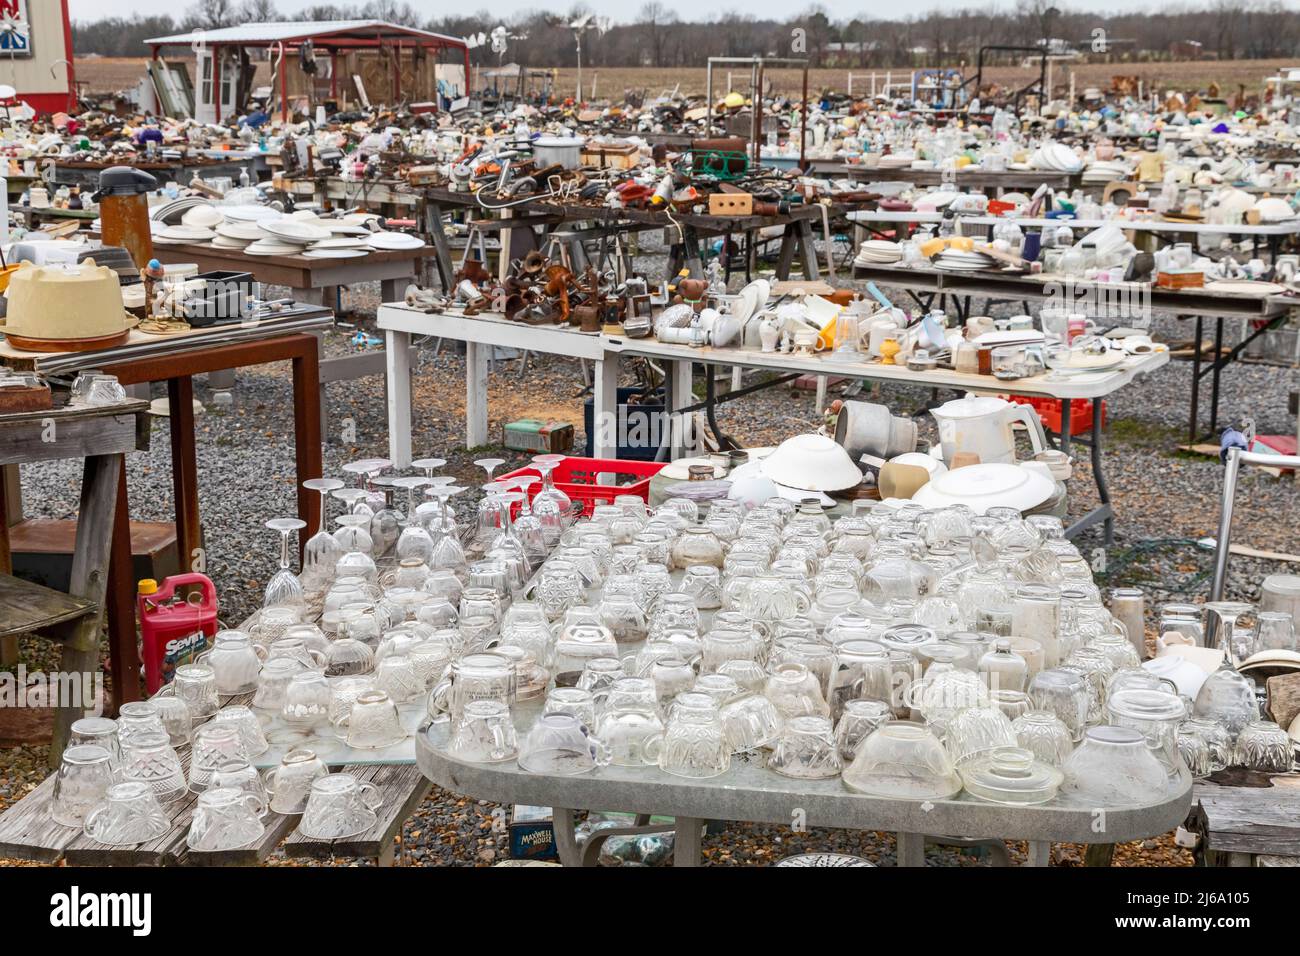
(757, 67)
(1236, 458)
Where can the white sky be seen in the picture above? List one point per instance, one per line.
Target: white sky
(621, 10)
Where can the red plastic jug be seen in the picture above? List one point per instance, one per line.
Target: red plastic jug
(174, 629)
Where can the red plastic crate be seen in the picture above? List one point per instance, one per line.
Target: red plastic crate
(1049, 412)
(579, 478)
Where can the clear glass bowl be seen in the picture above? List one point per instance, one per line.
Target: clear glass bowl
(905, 760)
(1114, 767)
(1011, 775)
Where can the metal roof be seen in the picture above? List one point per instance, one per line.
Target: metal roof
(255, 33)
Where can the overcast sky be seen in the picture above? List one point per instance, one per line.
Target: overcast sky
(622, 9)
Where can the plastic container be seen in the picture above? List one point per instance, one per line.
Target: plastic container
(1049, 412)
(174, 629)
(593, 480)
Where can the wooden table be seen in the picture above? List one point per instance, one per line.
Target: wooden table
(175, 360)
(102, 436)
(1241, 816)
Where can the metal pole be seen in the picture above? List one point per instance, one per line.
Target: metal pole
(1236, 458)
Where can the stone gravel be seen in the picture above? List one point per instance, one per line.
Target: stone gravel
(1165, 500)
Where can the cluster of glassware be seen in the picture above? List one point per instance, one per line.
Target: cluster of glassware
(401, 601)
(912, 653)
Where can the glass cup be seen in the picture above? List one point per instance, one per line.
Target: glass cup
(138, 717)
(806, 750)
(248, 726)
(695, 744)
(485, 733)
(242, 775)
(235, 660)
(750, 722)
(196, 684)
(99, 731)
(306, 699)
(83, 780)
(1113, 767)
(272, 684)
(338, 806)
(559, 744)
(1063, 693)
(372, 722)
(214, 744)
(290, 783)
(150, 759)
(1264, 746)
(858, 720)
(224, 819)
(130, 815)
(574, 701)
(175, 716)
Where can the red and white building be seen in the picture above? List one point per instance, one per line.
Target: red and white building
(36, 53)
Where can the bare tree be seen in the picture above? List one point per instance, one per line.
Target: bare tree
(211, 14)
(258, 11)
(653, 17)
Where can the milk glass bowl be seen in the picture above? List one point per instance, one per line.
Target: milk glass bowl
(1113, 767)
(905, 760)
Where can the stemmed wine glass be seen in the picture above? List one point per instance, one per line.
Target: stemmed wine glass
(427, 465)
(367, 469)
(1227, 696)
(447, 550)
(490, 465)
(322, 552)
(431, 492)
(386, 524)
(546, 465)
(490, 521)
(354, 538)
(415, 541)
(355, 499)
(284, 589)
(528, 527)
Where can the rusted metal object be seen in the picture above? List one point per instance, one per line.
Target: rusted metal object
(125, 223)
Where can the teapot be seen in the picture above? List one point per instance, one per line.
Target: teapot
(981, 425)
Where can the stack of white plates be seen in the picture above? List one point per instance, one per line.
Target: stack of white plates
(273, 247)
(875, 251)
(1056, 157)
(205, 216)
(343, 247)
(896, 160)
(250, 213)
(178, 235)
(955, 260)
(171, 212)
(394, 241)
(1105, 171)
(296, 231)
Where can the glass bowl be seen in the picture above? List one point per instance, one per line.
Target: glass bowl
(1113, 767)
(1011, 775)
(904, 760)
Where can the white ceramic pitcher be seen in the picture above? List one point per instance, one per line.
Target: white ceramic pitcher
(982, 425)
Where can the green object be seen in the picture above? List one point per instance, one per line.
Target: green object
(721, 164)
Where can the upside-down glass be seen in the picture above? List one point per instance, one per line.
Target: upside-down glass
(129, 815)
(1264, 746)
(695, 744)
(290, 782)
(247, 725)
(1113, 767)
(82, 782)
(321, 553)
(1063, 693)
(559, 744)
(224, 819)
(284, 589)
(806, 749)
(485, 733)
(858, 720)
(905, 760)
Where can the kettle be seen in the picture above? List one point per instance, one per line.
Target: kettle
(981, 425)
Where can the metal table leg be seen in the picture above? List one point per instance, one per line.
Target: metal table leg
(686, 841)
(566, 841)
(1196, 383)
(911, 849)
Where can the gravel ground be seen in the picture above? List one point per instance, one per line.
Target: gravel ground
(1165, 500)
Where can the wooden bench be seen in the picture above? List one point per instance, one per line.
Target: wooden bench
(1242, 817)
(28, 833)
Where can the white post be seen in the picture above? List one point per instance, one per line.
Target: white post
(4, 211)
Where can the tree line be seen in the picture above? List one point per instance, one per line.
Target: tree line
(658, 37)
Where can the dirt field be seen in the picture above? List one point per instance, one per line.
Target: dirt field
(104, 75)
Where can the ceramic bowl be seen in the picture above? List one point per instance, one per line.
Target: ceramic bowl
(812, 463)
